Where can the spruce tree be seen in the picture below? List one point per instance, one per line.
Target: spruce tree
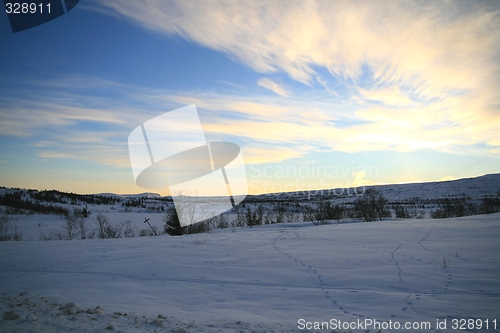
(172, 224)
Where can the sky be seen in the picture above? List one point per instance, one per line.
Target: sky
(317, 94)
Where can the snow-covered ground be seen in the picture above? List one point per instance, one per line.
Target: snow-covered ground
(35, 225)
(269, 278)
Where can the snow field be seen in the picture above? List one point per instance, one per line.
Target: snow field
(262, 278)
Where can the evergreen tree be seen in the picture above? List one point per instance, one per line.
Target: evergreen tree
(251, 217)
(172, 224)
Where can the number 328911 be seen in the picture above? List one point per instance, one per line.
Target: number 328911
(27, 8)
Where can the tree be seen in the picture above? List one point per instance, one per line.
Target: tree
(251, 218)
(197, 228)
(455, 207)
(223, 221)
(330, 211)
(260, 214)
(85, 212)
(312, 215)
(72, 222)
(490, 205)
(106, 230)
(218, 222)
(5, 234)
(279, 213)
(401, 212)
(371, 206)
(83, 228)
(172, 224)
(102, 222)
(240, 219)
(4, 228)
(324, 212)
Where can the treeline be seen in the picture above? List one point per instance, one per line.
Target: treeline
(72, 198)
(371, 206)
(448, 208)
(16, 204)
(44, 201)
(243, 216)
(20, 201)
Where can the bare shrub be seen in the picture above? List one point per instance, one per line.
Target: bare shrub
(222, 221)
(240, 220)
(371, 206)
(401, 212)
(105, 229)
(279, 214)
(102, 223)
(128, 229)
(71, 226)
(83, 229)
(5, 232)
(54, 234)
(197, 228)
(291, 216)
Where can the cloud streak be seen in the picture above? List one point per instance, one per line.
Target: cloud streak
(273, 86)
(388, 96)
(437, 63)
(401, 41)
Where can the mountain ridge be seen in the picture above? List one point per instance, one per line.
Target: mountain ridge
(476, 187)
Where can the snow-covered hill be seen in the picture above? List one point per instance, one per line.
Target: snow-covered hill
(146, 195)
(468, 187)
(476, 187)
(130, 211)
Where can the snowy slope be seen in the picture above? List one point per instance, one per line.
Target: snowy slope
(35, 225)
(260, 279)
(472, 187)
(476, 187)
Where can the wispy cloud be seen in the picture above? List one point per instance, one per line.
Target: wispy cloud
(272, 132)
(72, 122)
(104, 153)
(232, 84)
(77, 81)
(389, 96)
(23, 120)
(372, 128)
(437, 64)
(273, 86)
(257, 155)
(406, 42)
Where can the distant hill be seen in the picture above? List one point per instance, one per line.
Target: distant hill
(447, 199)
(146, 195)
(477, 187)
(471, 188)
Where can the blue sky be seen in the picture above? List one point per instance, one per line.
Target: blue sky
(354, 93)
